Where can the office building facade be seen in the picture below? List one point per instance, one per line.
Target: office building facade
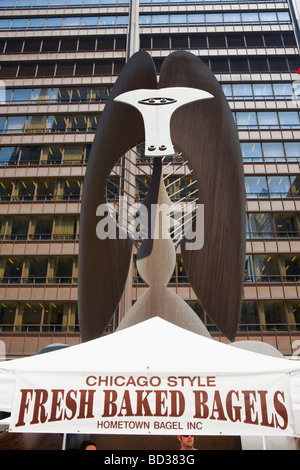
(59, 61)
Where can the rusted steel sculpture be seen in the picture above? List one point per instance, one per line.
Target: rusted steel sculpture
(204, 131)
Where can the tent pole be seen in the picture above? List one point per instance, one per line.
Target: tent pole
(64, 442)
(264, 442)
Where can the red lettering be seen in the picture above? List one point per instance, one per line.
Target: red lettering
(249, 407)
(217, 407)
(201, 409)
(143, 404)
(86, 404)
(39, 412)
(25, 401)
(177, 403)
(110, 408)
(234, 412)
(56, 405)
(71, 404)
(264, 409)
(126, 405)
(281, 410)
(160, 402)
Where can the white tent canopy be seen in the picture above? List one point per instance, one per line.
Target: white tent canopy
(152, 374)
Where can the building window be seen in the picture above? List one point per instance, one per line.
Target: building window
(274, 317)
(41, 228)
(261, 225)
(273, 151)
(294, 315)
(249, 319)
(291, 268)
(279, 186)
(31, 317)
(35, 271)
(7, 316)
(286, 225)
(30, 155)
(11, 269)
(9, 155)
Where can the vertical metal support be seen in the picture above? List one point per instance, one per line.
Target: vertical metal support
(128, 186)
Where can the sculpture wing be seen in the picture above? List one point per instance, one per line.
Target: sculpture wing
(206, 134)
(103, 264)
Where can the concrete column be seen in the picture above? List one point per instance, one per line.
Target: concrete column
(133, 34)
(133, 46)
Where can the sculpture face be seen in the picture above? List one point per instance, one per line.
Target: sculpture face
(157, 111)
(204, 131)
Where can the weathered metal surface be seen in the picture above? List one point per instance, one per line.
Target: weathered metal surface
(103, 264)
(206, 134)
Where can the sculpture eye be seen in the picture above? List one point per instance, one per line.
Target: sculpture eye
(157, 101)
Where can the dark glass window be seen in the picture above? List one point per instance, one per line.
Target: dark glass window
(217, 40)
(249, 317)
(103, 67)
(161, 42)
(294, 63)
(45, 190)
(235, 40)
(64, 270)
(71, 190)
(50, 45)
(105, 44)
(273, 40)
(43, 229)
(219, 65)
(32, 46)
(8, 70)
(254, 40)
(6, 188)
(120, 43)
(26, 190)
(46, 69)
(52, 155)
(239, 65)
(13, 270)
(64, 69)
(198, 41)
(258, 64)
(118, 65)
(37, 271)
(286, 225)
(179, 41)
(289, 39)
(275, 316)
(68, 44)
(86, 44)
(27, 70)
(145, 42)
(14, 45)
(31, 317)
(30, 155)
(278, 64)
(7, 316)
(84, 68)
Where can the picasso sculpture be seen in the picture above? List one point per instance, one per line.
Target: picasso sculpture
(184, 111)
